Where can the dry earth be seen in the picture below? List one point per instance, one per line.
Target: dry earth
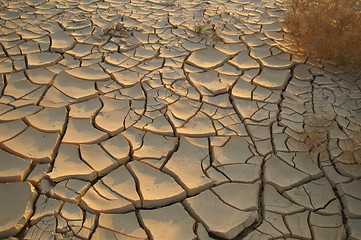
(118, 121)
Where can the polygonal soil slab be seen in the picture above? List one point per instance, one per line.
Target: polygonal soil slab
(69, 165)
(119, 226)
(60, 42)
(207, 58)
(90, 73)
(156, 187)
(169, 223)
(13, 168)
(273, 79)
(82, 131)
(16, 207)
(219, 218)
(185, 165)
(74, 87)
(34, 144)
(42, 59)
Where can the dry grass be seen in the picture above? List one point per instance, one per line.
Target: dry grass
(355, 149)
(199, 29)
(327, 29)
(316, 132)
(120, 30)
(316, 137)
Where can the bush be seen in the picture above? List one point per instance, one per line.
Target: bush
(326, 29)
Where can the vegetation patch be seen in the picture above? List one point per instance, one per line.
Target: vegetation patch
(199, 28)
(326, 29)
(317, 138)
(120, 30)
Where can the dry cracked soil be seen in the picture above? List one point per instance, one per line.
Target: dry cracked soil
(132, 119)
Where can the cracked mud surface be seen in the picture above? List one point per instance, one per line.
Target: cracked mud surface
(118, 121)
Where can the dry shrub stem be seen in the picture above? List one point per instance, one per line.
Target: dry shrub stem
(327, 29)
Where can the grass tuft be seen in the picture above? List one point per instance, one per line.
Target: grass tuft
(199, 28)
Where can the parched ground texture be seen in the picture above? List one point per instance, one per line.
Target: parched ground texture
(118, 121)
